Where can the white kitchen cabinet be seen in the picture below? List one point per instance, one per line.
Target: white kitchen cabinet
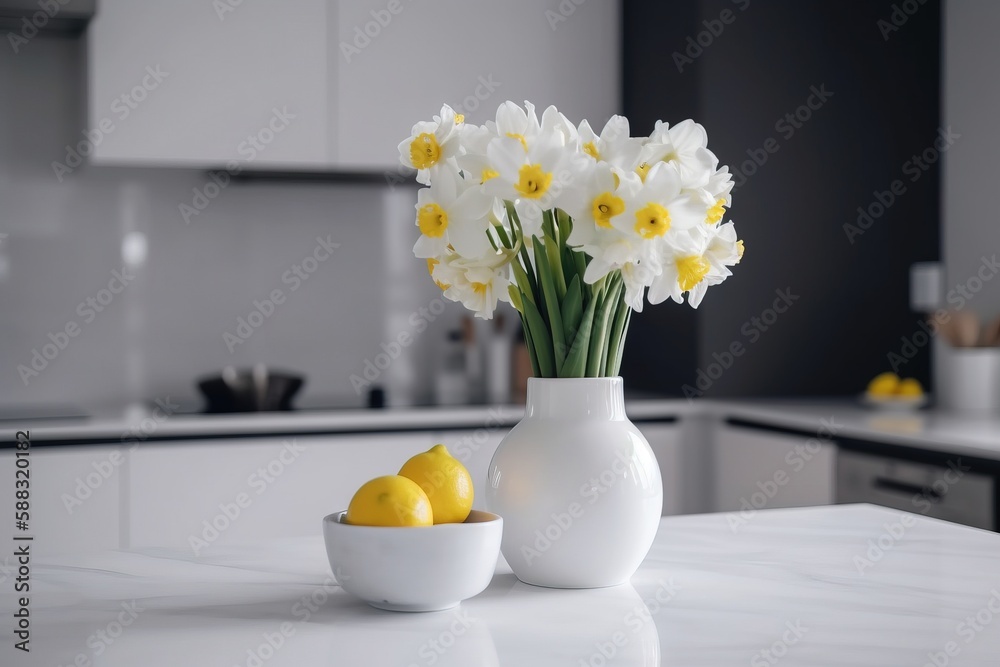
(202, 494)
(331, 84)
(756, 469)
(198, 83)
(473, 55)
(74, 498)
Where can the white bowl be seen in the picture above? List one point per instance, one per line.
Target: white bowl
(414, 569)
(895, 403)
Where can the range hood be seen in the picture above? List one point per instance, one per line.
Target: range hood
(25, 18)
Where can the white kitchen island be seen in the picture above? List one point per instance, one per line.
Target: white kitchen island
(847, 585)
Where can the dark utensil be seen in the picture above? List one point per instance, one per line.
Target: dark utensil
(250, 390)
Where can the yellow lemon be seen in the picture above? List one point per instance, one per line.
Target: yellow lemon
(910, 387)
(390, 501)
(446, 482)
(884, 384)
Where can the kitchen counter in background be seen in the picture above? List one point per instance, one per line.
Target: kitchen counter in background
(926, 429)
(851, 585)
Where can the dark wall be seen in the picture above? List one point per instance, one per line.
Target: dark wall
(662, 344)
(875, 98)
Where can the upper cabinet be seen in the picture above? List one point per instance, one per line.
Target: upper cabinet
(331, 84)
(195, 83)
(396, 69)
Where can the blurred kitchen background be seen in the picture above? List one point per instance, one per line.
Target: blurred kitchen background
(192, 186)
(142, 200)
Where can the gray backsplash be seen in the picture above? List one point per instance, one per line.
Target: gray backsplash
(64, 244)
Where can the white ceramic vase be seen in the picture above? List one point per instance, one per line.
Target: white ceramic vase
(577, 485)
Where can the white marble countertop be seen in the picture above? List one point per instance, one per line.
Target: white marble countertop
(850, 585)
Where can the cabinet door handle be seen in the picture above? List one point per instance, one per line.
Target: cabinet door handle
(887, 484)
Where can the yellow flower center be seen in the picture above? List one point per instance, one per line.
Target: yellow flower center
(432, 220)
(739, 249)
(479, 289)
(488, 174)
(459, 118)
(533, 181)
(424, 151)
(606, 206)
(519, 137)
(590, 149)
(642, 170)
(691, 271)
(652, 221)
(716, 212)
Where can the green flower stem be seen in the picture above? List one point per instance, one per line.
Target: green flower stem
(571, 329)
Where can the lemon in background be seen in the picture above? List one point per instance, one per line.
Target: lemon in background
(446, 482)
(910, 387)
(884, 384)
(392, 501)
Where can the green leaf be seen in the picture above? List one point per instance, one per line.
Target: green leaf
(524, 285)
(516, 229)
(531, 348)
(617, 338)
(572, 308)
(616, 369)
(576, 359)
(553, 253)
(598, 336)
(541, 341)
(551, 305)
(515, 298)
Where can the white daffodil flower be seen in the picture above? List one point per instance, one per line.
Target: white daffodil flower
(594, 200)
(658, 205)
(431, 145)
(452, 212)
(477, 284)
(529, 178)
(684, 145)
(517, 123)
(614, 145)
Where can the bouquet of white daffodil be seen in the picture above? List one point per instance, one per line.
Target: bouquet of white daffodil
(569, 226)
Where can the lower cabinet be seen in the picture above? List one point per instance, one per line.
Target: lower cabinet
(74, 498)
(756, 469)
(202, 495)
